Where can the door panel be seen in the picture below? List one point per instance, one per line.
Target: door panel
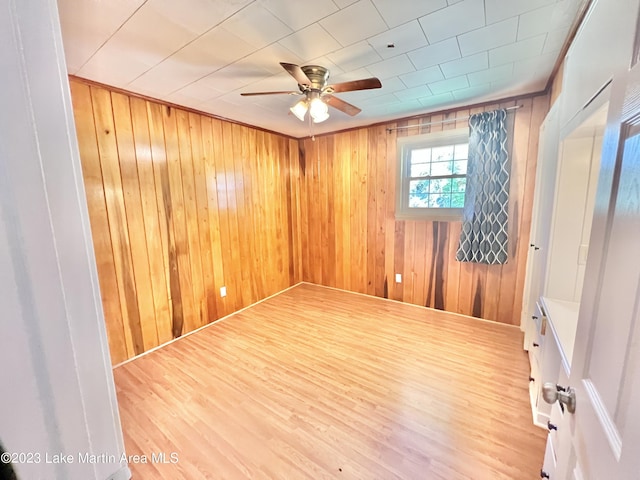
(606, 364)
(620, 280)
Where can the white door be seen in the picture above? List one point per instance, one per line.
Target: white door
(605, 371)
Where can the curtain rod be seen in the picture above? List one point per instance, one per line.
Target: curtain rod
(440, 122)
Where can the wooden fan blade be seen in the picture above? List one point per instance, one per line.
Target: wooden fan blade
(364, 84)
(250, 94)
(296, 72)
(341, 105)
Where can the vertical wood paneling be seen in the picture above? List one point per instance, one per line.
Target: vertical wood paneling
(210, 184)
(176, 213)
(119, 347)
(134, 219)
(165, 215)
(118, 228)
(371, 246)
(180, 205)
(152, 221)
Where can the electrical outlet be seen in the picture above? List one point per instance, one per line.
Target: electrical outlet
(223, 291)
(398, 278)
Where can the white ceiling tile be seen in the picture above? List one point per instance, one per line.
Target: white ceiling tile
(393, 84)
(298, 15)
(472, 93)
(269, 58)
(117, 70)
(463, 65)
(414, 93)
(435, 54)
(343, 3)
(518, 87)
(234, 77)
(454, 20)
(524, 49)
(326, 62)
(342, 27)
(555, 40)
(201, 90)
(156, 50)
(257, 26)
(382, 100)
(404, 38)
(437, 100)
(184, 100)
(503, 72)
(143, 41)
(196, 60)
(350, 75)
(489, 37)
(449, 85)
(391, 67)
(355, 56)
(497, 10)
(551, 17)
(422, 77)
(275, 83)
(198, 17)
(156, 31)
(310, 42)
(537, 67)
(83, 35)
(397, 12)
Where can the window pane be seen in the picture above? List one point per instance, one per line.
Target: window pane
(459, 185)
(457, 200)
(420, 155)
(441, 168)
(420, 170)
(461, 151)
(418, 200)
(419, 186)
(419, 194)
(437, 200)
(430, 169)
(441, 154)
(441, 185)
(460, 167)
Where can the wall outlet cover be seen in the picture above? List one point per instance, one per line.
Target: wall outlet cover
(398, 278)
(223, 291)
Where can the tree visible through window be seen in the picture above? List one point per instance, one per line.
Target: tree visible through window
(432, 174)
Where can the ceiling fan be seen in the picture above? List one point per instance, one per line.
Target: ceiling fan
(312, 83)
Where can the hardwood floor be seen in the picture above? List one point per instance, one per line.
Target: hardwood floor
(319, 383)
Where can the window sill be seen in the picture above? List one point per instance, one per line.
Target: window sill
(431, 215)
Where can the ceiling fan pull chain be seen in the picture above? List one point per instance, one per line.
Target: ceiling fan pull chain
(313, 137)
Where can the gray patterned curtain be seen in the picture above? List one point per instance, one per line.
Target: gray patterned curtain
(486, 202)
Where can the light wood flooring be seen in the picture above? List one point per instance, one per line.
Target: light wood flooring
(318, 383)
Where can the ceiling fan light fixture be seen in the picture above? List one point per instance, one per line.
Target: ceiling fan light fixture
(318, 110)
(320, 117)
(300, 109)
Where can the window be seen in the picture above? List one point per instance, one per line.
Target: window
(432, 175)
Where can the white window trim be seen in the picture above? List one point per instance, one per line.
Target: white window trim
(404, 146)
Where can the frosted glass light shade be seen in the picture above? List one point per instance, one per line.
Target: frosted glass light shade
(300, 109)
(318, 110)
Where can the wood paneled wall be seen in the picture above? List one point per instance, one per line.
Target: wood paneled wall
(180, 205)
(350, 238)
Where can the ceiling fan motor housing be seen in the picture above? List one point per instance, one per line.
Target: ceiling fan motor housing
(317, 74)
